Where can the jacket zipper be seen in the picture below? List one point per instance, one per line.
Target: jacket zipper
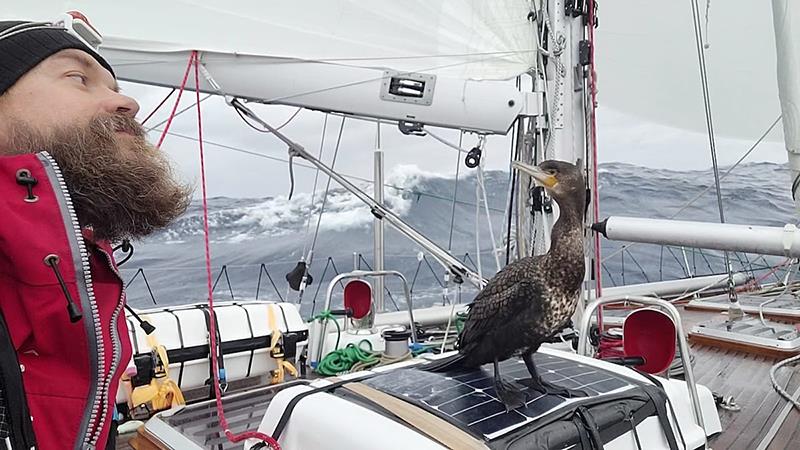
(89, 439)
(115, 345)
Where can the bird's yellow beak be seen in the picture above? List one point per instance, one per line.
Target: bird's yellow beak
(538, 174)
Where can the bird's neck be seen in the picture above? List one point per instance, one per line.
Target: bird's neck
(567, 231)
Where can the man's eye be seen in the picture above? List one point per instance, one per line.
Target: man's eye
(77, 76)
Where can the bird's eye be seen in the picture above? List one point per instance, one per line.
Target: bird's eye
(552, 171)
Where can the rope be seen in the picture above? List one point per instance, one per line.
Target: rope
(774, 269)
(478, 227)
(448, 143)
(787, 285)
(355, 358)
(178, 100)
(482, 188)
(595, 173)
(194, 59)
(781, 391)
(344, 360)
(261, 130)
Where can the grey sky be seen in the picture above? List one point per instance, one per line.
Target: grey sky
(651, 110)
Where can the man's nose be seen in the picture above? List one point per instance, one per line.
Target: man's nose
(117, 103)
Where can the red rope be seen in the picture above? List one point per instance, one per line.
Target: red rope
(177, 101)
(223, 422)
(610, 346)
(757, 282)
(595, 192)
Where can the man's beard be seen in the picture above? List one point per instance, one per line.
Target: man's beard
(122, 187)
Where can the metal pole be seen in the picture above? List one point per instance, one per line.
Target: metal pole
(683, 346)
(523, 184)
(378, 233)
(448, 261)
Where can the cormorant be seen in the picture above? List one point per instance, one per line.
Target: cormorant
(531, 299)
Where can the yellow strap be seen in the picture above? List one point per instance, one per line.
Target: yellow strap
(162, 392)
(273, 328)
(279, 374)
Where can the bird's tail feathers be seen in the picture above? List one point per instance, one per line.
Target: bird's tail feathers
(453, 362)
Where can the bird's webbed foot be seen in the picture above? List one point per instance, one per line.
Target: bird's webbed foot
(511, 396)
(545, 387)
(538, 384)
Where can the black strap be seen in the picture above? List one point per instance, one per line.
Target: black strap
(657, 397)
(658, 383)
(180, 340)
(220, 359)
(580, 428)
(632, 421)
(287, 413)
(591, 427)
(13, 399)
(252, 335)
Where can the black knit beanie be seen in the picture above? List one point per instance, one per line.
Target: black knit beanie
(23, 51)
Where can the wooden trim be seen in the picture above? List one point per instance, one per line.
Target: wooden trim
(786, 318)
(428, 424)
(143, 440)
(742, 347)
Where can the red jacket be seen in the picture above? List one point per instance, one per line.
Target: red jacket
(70, 370)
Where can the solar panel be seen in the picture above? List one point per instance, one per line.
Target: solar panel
(468, 399)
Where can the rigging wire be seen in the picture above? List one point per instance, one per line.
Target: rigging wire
(314, 188)
(703, 192)
(328, 185)
(710, 126)
(308, 166)
(172, 91)
(188, 108)
(455, 194)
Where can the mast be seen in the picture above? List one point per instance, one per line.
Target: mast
(564, 133)
(378, 223)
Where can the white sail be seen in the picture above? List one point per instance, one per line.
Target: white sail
(648, 68)
(328, 55)
(786, 15)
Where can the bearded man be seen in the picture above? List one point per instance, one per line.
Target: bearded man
(76, 175)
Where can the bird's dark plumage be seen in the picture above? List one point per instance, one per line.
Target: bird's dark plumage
(530, 299)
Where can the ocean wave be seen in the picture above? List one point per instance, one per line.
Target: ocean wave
(249, 232)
